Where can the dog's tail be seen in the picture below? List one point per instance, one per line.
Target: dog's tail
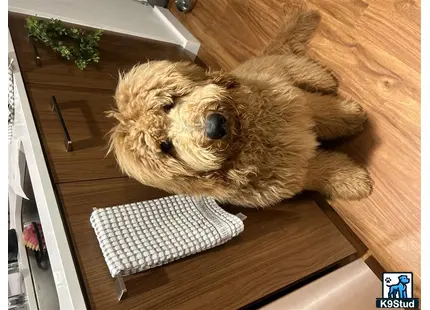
(295, 34)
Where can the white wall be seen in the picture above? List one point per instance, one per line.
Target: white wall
(125, 16)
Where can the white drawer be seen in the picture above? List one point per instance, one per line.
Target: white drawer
(352, 287)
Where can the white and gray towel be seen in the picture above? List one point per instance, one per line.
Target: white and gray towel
(143, 235)
(11, 101)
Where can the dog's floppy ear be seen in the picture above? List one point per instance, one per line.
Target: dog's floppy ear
(223, 78)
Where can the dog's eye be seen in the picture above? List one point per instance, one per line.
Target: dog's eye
(169, 106)
(166, 146)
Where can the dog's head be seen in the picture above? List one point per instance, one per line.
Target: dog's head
(403, 279)
(175, 119)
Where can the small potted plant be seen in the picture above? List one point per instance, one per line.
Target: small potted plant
(72, 43)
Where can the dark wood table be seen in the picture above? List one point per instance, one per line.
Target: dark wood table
(279, 247)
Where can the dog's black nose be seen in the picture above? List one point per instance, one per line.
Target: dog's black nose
(216, 126)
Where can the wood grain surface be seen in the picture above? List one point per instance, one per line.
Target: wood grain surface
(374, 48)
(85, 120)
(278, 247)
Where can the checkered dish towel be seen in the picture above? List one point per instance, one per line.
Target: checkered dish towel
(11, 101)
(143, 235)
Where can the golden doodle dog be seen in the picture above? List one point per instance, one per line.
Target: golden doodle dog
(248, 137)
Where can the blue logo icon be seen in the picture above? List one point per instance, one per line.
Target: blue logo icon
(397, 291)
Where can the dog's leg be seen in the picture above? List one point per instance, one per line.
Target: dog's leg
(311, 76)
(336, 176)
(335, 116)
(301, 71)
(393, 292)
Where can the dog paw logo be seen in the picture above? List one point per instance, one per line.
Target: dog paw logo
(397, 291)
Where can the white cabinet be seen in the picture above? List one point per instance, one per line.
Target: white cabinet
(63, 269)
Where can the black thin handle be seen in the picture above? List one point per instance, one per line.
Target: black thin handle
(36, 54)
(56, 108)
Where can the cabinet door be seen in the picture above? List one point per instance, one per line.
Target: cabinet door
(83, 114)
(117, 53)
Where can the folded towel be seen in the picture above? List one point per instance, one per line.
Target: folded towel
(11, 101)
(143, 235)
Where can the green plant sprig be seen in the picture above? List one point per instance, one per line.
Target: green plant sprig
(72, 43)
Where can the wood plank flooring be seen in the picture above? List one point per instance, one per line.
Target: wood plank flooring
(374, 48)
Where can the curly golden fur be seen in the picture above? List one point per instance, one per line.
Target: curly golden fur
(273, 108)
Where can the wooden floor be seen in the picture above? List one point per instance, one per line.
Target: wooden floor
(374, 48)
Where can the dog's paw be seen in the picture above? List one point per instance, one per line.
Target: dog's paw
(362, 184)
(331, 83)
(337, 176)
(356, 185)
(354, 116)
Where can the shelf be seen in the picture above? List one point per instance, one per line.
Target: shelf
(43, 280)
(15, 222)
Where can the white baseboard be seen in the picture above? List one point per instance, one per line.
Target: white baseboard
(188, 41)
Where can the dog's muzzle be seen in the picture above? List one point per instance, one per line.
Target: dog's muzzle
(216, 126)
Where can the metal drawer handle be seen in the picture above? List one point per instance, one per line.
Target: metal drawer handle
(12, 267)
(17, 301)
(36, 54)
(56, 108)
